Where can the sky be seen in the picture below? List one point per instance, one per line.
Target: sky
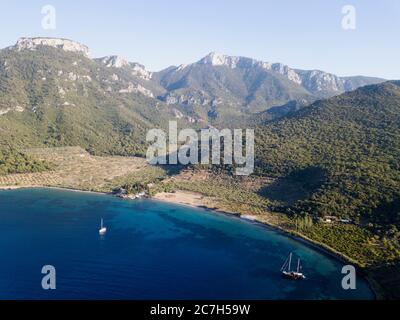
(305, 34)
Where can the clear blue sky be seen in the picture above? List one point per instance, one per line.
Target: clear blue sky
(303, 34)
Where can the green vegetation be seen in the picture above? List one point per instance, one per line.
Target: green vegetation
(354, 140)
(134, 188)
(12, 161)
(137, 181)
(350, 147)
(55, 98)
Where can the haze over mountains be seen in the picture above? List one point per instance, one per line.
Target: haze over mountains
(217, 89)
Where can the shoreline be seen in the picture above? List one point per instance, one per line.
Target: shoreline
(253, 220)
(190, 199)
(10, 188)
(321, 247)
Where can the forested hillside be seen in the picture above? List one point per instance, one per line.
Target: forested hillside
(12, 161)
(350, 147)
(50, 97)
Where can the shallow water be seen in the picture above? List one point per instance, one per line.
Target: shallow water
(152, 250)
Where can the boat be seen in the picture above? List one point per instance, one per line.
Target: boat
(102, 229)
(289, 273)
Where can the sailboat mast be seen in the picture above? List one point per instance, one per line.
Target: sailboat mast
(290, 260)
(284, 264)
(298, 265)
(101, 223)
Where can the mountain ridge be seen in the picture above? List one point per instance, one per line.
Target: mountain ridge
(218, 87)
(247, 86)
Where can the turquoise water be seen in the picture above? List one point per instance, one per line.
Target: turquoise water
(152, 250)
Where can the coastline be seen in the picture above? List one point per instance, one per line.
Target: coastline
(253, 219)
(177, 198)
(5, 188)
(15, 187)
(197, 200)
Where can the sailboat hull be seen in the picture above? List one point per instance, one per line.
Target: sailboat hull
(293, 275)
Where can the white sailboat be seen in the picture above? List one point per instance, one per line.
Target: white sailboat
(291, 274)
(102, 229)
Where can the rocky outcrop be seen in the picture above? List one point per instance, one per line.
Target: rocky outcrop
(64, 44)
(140, 71)
(287, 72)
(113, 61)
(314, 81)
(136, 69)
(7, 110)
(218, 59)
(136, 88)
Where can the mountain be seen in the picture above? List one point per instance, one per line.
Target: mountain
(220, 87)
(53, 94)
(346, 151)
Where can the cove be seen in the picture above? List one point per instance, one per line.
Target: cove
(152, 250)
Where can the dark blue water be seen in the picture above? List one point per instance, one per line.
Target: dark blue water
(152, 250)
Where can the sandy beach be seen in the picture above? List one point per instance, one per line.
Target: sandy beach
(182, 197)
(16, 187)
